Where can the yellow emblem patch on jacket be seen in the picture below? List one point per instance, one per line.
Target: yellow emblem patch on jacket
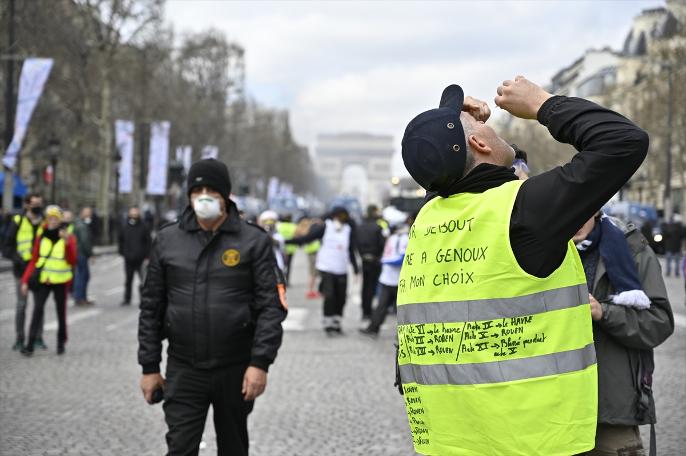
(231, 257)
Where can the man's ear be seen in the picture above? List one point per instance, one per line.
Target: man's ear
(478, 145)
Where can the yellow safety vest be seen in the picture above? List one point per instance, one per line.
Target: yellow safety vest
(25, 236)
(287, 230)
(312, 247)
(56, 269)
(493, 361)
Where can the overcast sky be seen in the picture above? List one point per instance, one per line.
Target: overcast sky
(372, 66)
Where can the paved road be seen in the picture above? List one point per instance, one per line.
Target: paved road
(325, 396)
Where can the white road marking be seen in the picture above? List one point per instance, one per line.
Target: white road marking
(295, 321)
(121, 323)
(114, 291)
(73, 319)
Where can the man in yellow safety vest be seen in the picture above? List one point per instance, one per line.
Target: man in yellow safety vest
(21, 233)
(496, 352)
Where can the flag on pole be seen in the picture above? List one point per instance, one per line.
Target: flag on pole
(184, 155)
(123, 133)
(158, 158)
(34, 74)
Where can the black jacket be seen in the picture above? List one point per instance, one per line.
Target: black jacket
(625, 337)
(673, 235)
(213, 295)
(370, 240)
(551, 207)
(134, 241)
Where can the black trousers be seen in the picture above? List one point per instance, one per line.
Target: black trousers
(334, 289)
(40, 297)
(371, 270)
(387, 298)
(288, 260)
(131, 267)
(188, 394)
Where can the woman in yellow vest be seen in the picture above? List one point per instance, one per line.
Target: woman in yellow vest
(50, 271)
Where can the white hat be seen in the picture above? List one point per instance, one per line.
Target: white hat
(268, 215)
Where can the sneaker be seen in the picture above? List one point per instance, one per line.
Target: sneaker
(60, 349)
(27, 350)
(312, 295)
(369, 332)
(18, 345)
(40, 344)
(125, 303)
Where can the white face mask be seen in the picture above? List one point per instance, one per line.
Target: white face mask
(207, 207)
(337, 224)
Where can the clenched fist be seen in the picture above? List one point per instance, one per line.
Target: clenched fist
(149, 383)
(476, 108)
(521, 97)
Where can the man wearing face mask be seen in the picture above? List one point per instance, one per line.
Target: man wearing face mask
(134, 246)
(20, 236)
(211, 289)
(84, 238)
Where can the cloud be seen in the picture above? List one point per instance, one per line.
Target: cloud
(372, 66)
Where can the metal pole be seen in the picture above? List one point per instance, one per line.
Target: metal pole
(668, 171)
(8, 190)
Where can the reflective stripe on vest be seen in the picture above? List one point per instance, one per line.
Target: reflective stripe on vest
(25, 236)
(492, 359)
(56, 269)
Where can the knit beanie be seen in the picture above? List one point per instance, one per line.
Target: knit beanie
(209, 173)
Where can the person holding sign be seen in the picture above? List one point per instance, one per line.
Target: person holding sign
(496, 350)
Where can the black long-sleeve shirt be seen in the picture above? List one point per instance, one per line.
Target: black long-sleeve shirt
(552, 206)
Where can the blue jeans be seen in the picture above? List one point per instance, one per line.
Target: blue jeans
(676, 258)
(83, 275)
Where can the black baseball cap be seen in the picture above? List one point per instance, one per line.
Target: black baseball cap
(434, 147)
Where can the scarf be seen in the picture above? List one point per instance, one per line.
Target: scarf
(619, 263)
(484, 177)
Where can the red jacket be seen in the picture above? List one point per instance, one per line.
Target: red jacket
(69, 256)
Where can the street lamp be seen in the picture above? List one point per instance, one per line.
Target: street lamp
(53, 153)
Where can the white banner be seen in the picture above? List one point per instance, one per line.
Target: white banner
(34, 73)
(210, 152)
(158, 158)
(184, 154)
(272, 188)
(123, 137)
